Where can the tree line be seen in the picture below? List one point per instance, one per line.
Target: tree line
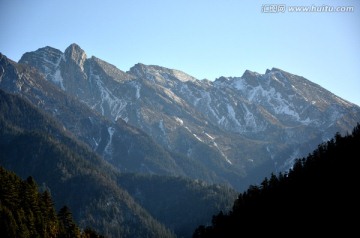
(317, 196)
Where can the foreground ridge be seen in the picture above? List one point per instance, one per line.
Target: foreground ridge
(314, 197)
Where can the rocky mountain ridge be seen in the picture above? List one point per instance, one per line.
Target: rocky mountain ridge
(235, 127)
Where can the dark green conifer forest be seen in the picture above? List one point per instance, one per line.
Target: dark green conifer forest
(26, 212)
(318, 196)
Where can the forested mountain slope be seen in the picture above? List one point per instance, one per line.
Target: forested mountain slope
(32, 143)
(75, 176)
(318, 196)
(27, 212)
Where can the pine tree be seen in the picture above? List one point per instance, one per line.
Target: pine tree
(30, 204)
(68, 228)
(8, 225)
(50, 221)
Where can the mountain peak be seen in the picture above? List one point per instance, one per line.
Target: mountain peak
(137, 70)
(276, 70)
(138, 66)
(75, 53)
(38, 57)
(74, 46)
(249, 74)
(221, 79)
(48, 49)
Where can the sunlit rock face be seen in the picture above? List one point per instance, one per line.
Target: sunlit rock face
(237, 129)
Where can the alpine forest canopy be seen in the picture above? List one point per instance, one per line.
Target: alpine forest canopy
(317, 196)
(26, 212)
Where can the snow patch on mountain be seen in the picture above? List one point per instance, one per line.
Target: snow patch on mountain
(273, 98)
(198, 138)
(209, 136)
(138, 87)
(172, 95)
(161, 126)
(232, 115)
(239, 84)
(96, 144)
(207, 98)
(222, 153)
(108, 147)
(178, 120)
(58, 79)
(291, 159)
(187, 93)
(250, 120)
(115, 104)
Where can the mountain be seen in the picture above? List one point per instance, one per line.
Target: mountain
(123, 145)
(34, 143)
(318, 197)
(233, 130)
(153, 128)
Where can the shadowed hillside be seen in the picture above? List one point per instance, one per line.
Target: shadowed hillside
(317, 196)
(26, 212)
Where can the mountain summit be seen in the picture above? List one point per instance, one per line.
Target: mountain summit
(75, 53)
(238, 129)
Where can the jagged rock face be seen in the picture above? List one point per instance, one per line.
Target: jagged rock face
(278, 99)
(128, 148)
(233, 127)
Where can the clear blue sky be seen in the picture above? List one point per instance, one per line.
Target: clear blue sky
(205, 38)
